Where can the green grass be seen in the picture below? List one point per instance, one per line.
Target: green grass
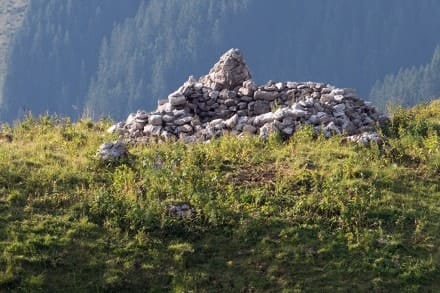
(308, 214)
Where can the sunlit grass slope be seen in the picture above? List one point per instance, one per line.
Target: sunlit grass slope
(307, 214)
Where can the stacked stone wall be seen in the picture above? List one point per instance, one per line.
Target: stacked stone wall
(227, 100)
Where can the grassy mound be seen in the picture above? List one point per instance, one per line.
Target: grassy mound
(308, 214)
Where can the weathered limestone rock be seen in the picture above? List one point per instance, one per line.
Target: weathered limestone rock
(260, 107)
(249, 129)
(231, 123)
(366, 138)
(229, 72)
(262, 119)
(177, 99)
(331, 129)
(264, 95)
(152, 130)
(141, 116)
(112, 151)
(267, 129)
(186, 128)
(155, 120)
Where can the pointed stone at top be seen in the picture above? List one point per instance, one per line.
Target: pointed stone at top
(229, 72)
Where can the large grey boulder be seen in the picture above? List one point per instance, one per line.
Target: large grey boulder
(228, 73)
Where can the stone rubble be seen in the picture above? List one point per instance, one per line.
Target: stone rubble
(228, 101)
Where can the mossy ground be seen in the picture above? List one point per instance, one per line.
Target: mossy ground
(307, 214)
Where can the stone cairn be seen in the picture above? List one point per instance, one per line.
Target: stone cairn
(226, 100)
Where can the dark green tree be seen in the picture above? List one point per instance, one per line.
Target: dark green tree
(409, 86)
(55, 54)
(111, 57)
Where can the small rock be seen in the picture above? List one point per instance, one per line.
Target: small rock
(152, 130)
(365, 138)
(266, 130)
(339, 110)
(130, 119)
(232, 122)
(262, 119)
(338, 92)
(166, 135)
(230, 102)
(331, 129)
(339, 98)
(112, 151)
(183, 120)
(167, 118)
(281, 113)
(249, 129)
(177, 99)
(186, 128)
(279, 86)
(249, 84)
(299, 113)
(112, 129)
(181, 210)
(155, 120)
(261, 107)
(291, 85)
(267, 96)
(288, 130)
(141, 115)
(165, 108)
(327, 98)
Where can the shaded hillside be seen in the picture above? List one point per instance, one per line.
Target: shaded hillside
(346, 43)
(12, 13)
(108, 58)
(55, 54)
(149, 54)
(409, 86)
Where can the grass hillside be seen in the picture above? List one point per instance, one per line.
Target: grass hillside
(307, 214)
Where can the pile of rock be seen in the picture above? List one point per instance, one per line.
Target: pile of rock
(228, 101)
